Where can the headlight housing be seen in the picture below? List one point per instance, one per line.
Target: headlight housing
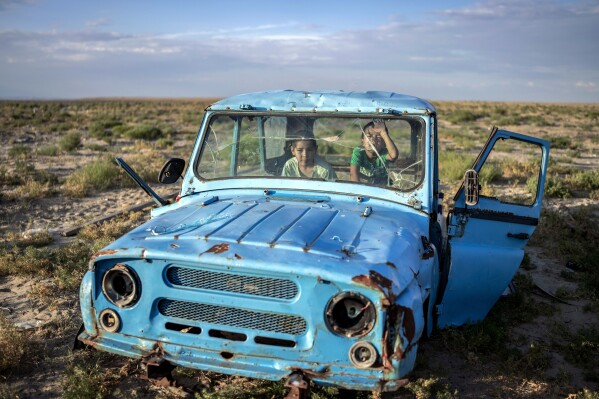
(121, 286)
(350, 314)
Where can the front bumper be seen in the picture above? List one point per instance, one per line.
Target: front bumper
(267, 368)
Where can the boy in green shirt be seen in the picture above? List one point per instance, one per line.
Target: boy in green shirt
(370, 160)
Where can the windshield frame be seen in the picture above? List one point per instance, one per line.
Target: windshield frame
(415, 118)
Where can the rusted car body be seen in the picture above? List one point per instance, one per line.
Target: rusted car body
(258, 274)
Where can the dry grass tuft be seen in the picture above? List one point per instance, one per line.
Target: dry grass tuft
(17, 348)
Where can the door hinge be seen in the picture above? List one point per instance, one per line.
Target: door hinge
(455, 230)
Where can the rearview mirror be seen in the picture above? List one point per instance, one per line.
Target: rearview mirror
(171, 171)
(471, 187)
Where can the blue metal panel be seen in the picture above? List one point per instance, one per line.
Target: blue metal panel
(484, 248)
(326, 101)
(323, 248)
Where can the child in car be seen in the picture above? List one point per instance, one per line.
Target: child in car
(305, 162)
(369, 162)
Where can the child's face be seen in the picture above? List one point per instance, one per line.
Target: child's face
(304, 151)
(371, 139)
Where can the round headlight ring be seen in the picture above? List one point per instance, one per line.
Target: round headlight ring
(350, 314)
(363, 355)
(121, 286)
(110, 320)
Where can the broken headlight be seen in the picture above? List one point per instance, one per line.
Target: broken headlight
(121, 286)
(350, 314)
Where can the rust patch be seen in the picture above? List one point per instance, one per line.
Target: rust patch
(104, 252)
(428, 253)
(389, 263)
(237, 256)
(175, 237)
(387, 349)
(373, 280)
(408, 323)
(89, 342)
(173, 245)
(143, 253)
(219, 248)
(428, 250)
(407, 327)
(324, 373)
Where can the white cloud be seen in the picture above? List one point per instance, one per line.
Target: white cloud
(98, 23)
(586, 85)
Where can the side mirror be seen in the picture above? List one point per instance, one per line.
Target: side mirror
(471, 187)
(171, 171)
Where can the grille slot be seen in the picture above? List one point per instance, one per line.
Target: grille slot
(209, 280)
(222, 315)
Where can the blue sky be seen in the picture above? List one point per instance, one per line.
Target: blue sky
(507, 50)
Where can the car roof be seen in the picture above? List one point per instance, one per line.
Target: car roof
(325, 101)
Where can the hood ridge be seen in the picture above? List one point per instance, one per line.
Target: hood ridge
(268, 215)
(231, 219)
(289, 226)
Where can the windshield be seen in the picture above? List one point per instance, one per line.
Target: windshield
(385, 152)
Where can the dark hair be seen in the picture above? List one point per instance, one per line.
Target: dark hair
(373, 123)
(295, 140)
(301, 135)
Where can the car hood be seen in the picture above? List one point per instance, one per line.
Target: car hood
(310, 236)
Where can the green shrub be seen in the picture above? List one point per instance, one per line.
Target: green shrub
(96, 147)
(510, 120)
(560, 142)
(70, 141)
(488, 336)
(37, 239)
(461, 116)
(8, 178)
(582, 349)
(164, 143)
(30, 189)
(103, 128)
(49, 150)
(490, 172)
(433, 387)
(586, 180)
(17, 349)
(452, 165)
(554, 187)
(66, 264)
(89, 377)
(98, 175)
(19, 151)
(573, 237)
(538, 120)
(23, 168)
(592, 114)
(144, 132)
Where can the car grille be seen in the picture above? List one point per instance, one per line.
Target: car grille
(228, 316)
(209, 280)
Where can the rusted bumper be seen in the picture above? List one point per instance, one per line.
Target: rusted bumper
(248, 366)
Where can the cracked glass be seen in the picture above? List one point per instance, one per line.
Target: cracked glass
(386, 152)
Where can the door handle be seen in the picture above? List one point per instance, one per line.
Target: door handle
(519, 236)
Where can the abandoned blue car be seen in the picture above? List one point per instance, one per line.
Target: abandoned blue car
(309, 243)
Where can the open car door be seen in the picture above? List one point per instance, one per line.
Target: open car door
(485, 241)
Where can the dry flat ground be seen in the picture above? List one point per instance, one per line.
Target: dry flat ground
(56, 172)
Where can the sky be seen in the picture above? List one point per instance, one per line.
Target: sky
(497, 50)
